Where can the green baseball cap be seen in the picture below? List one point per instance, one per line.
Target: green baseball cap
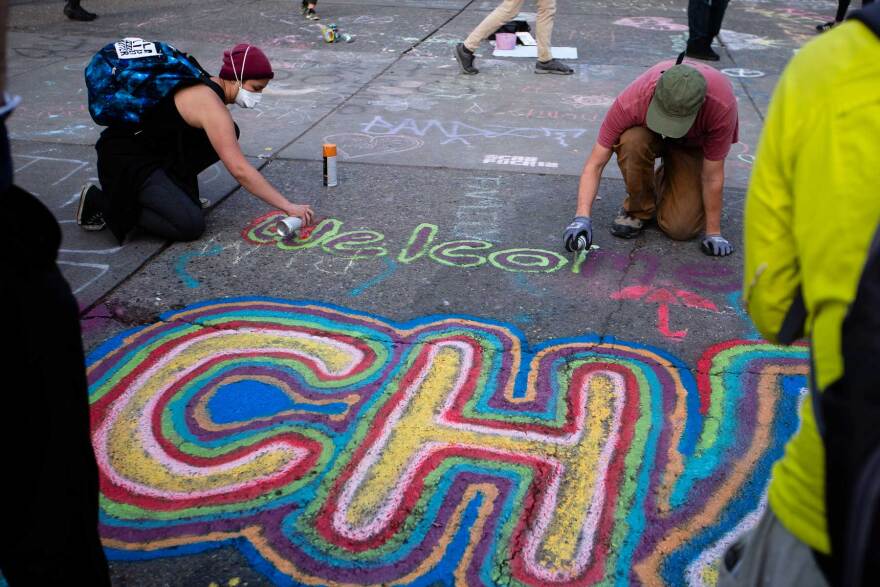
(678, 96)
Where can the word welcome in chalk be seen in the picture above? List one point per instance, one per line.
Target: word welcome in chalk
(369, 244)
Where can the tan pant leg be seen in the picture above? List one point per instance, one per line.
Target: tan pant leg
(636, 152)
(505, 12)
(544, 34)
(681, 215)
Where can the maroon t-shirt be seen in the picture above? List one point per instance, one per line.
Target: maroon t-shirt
(715, 129)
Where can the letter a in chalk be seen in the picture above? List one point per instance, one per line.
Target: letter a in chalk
(419, 240)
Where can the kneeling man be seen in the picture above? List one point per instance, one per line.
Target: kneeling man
(685, 114)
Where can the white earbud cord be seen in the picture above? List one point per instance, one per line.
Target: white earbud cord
(243, 61)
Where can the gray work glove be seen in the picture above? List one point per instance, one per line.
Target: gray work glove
(716, 245)
(579, 234)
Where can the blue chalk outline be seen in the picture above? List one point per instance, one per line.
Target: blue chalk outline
(635, 518)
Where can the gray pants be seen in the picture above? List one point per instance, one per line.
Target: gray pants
(769, 556)
(167, 211)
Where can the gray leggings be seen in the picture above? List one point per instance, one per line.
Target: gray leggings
(167, 211)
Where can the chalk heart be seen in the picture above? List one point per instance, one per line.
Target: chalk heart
(335, 447)
(358, 145)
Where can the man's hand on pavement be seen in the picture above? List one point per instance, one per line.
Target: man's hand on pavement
(578, 236)
(716, 245)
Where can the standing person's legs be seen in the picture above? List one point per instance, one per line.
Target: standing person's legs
(680, 213)
(505, 12)
(636, 152)
(167, 210)
(308, 9)
(842, 7)
(699, 30)
(74, 11)
(546, 16)
(716, 15)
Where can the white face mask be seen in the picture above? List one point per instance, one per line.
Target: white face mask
(245, 98)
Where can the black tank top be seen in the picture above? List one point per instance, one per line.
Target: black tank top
(165, 117)
(126, 157)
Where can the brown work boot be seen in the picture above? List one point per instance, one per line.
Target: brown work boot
(626, 226)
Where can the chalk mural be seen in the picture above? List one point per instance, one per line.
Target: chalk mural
(451, 132)
(334, 447)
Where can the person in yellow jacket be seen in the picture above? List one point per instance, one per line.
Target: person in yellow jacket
(811, 212)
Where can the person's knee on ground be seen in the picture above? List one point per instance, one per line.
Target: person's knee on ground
(680, 213)
(178, 229)
(679, 229)
(167, 211)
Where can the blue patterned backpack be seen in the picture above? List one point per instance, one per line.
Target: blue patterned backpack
(128, 78)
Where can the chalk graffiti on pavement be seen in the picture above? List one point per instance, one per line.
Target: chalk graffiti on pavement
(335, 447)
(460, 132)
(665, 297)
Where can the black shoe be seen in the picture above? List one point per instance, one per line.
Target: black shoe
(89, 215)
(311, 14)
(77, 12)
(704, 53)
(553, 66)
(626, 226)
(465, 60)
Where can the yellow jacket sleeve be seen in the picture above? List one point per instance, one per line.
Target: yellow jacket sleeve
(771, 277)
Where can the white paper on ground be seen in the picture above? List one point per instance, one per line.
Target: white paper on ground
(527, 39)
(524, 51)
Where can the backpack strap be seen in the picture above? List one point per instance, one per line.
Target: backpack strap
(869, 16)
(194, 61)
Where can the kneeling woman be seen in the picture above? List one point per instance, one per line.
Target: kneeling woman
(149, 175)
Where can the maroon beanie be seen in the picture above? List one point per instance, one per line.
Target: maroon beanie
(255, 66)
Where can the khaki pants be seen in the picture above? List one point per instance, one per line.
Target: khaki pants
(674, 193)
(506, 12)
